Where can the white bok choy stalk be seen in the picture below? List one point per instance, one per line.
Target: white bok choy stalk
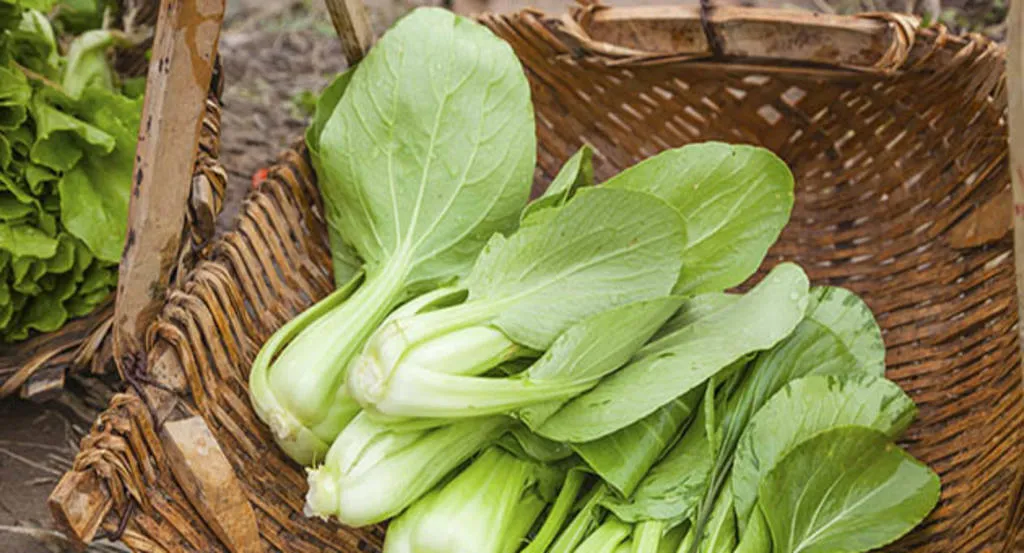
(414, 185)
(487, 508)
(373, 472)
(603, 249)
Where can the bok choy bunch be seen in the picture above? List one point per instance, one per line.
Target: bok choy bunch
(419, 163)
(570, 375)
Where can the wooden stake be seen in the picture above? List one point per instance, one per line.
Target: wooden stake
(180, 71)
(352, 23)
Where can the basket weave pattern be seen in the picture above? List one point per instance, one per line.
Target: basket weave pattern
(899, 159)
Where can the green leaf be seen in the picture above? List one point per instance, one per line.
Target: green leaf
(63, 259)
(721, 530)
(843, 491)
(804, 408)
(853, 323)
(692, 309)
(94, 195)
(527, 444)
(87, 65)
(44, 313)
(686, 359)
(624, 457)
(325, 105)
(61, 138)
(12, 210)
(77, 16)
(27, 241)
(33, 43)
(6, 153)
(735, 200)
(15, 93)
(604, 248)
(432, 147)
(577, 172)
(672, 489)
(757, 537)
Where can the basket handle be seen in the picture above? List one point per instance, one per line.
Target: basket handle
(180, 73)
(646, 35)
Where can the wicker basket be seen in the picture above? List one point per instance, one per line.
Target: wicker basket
(895, 134)
(36, 368)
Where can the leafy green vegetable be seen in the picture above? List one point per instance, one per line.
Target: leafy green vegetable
(421, 161)
(66, 158)
(808, 406)
(682, 361)
(487, 508)
(736, 200)
(814, 348)
(848, 489)
(534, 287)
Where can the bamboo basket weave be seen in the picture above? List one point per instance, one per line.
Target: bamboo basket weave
(897, 139)
(36, 368)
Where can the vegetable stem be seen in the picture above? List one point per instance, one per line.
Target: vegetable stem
(647, 536)
(558, 513)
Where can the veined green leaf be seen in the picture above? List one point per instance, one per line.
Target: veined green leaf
(735, 200)
(61, 138)
(852, 322)
(845, 490)
(688, 358)
(431, 147)
(545, 288)
(804, 408)
(604, 248)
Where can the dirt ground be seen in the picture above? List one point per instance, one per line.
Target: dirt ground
(277, 55)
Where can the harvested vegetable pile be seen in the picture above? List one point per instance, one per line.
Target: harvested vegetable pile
(569, 374)
(67, 140)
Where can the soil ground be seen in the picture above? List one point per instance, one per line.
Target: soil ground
(277, 55)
